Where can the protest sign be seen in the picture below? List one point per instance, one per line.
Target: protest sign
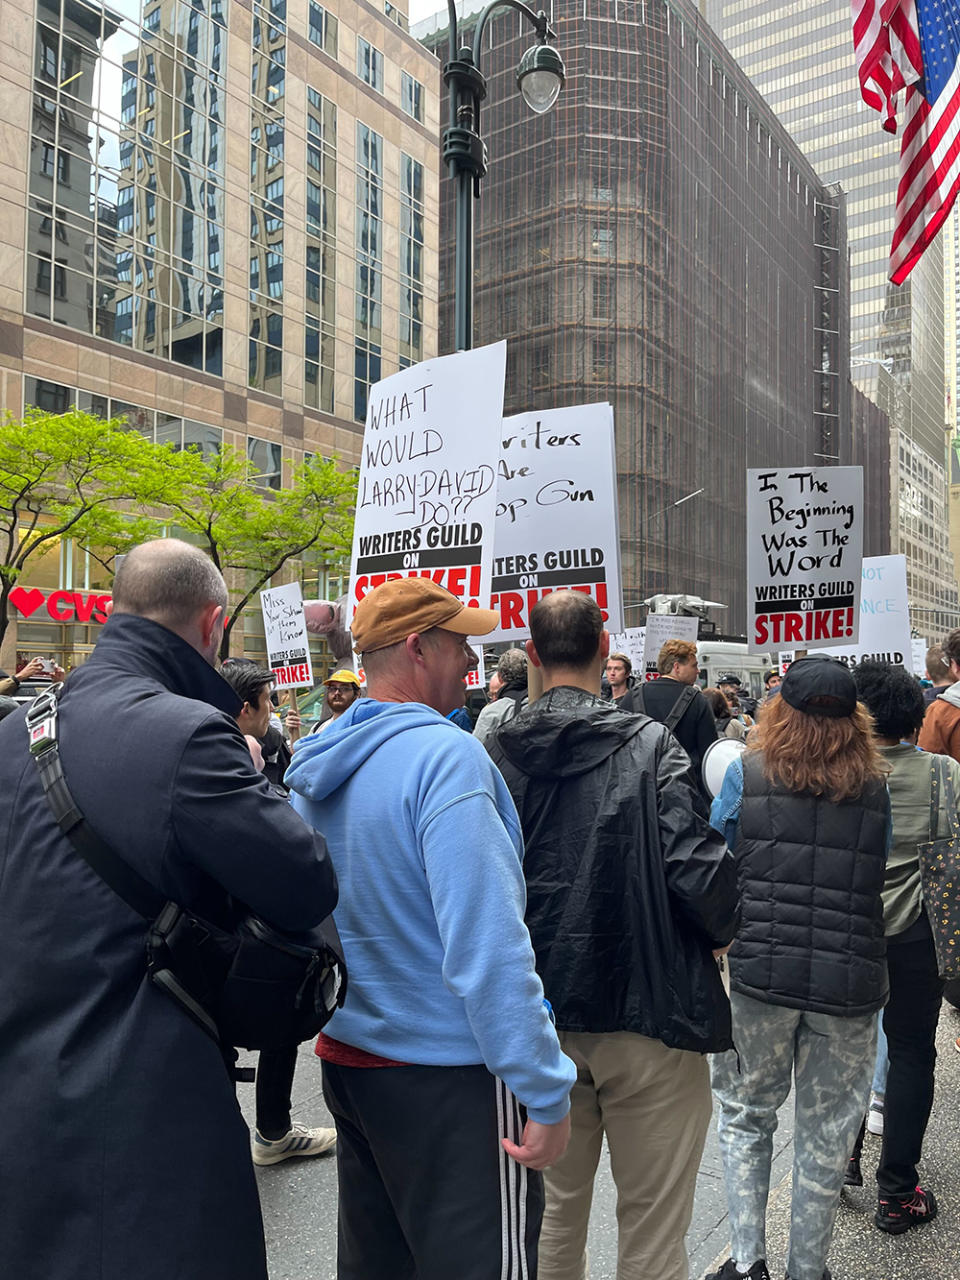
(630, 642)
(918, 651)
(477, 679)
(427, 489)
(804, 547)
(557, 523)
(288, 649)
(662, 627)
(884, 615)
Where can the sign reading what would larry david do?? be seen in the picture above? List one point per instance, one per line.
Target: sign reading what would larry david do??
(804, 551)
(557, 524)
(427, 489)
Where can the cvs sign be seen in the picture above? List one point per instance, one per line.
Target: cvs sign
(60, 606)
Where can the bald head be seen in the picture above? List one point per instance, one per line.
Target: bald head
(566, 627)
(174, 584)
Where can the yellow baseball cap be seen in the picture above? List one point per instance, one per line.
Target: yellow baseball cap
(343, 677)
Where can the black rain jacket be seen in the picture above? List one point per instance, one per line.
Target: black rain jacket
(628, 889)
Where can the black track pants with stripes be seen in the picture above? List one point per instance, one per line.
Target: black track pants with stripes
(426, 1190)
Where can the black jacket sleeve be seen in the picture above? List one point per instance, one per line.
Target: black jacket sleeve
(706, 725)
(701, 873)
(229, 822)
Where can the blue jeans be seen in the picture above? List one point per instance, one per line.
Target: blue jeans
(832, 1059)
(879, 1086)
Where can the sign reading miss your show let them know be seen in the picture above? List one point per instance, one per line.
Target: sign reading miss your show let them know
(804, 552)
(427, 488)
(288, 647)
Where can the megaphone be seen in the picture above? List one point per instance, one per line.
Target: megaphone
(716, 759)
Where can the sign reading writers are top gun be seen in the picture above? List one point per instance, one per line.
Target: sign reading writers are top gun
(427, 488)
(804, 552)
(557, 521)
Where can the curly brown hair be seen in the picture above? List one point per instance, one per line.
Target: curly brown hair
(675, 651)
(827, 756)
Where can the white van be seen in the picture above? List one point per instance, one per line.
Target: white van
(726, 657)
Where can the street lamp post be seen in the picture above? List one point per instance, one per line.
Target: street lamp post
(540, 78)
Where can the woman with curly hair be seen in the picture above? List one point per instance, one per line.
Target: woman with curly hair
(896, 702)
(806, 812)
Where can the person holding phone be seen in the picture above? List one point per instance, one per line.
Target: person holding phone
(36, 668)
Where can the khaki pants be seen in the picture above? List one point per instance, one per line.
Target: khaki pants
(654, 1105)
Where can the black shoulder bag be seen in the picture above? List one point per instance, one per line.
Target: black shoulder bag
(249, 986)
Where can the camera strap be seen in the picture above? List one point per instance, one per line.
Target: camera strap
(127, 883)
(114, 871)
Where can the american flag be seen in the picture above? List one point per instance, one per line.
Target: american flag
(915, 45)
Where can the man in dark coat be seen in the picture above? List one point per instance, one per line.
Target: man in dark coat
(695, 729)
(125, 1155)
(628, 894)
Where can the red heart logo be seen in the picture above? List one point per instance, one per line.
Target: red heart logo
(26, 602)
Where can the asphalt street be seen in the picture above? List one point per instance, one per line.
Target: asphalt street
(299, 1198)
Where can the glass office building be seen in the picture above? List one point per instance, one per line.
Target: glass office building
(218, 218)
(801, 59)
(659, 241)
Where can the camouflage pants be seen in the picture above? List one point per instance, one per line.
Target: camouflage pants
(832, 1059)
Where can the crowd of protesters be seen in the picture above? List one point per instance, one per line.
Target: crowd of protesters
(555, 933)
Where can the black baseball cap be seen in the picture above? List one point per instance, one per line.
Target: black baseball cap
(730, 678)
(819, 685)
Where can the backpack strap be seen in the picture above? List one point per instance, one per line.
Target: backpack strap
(680, 707)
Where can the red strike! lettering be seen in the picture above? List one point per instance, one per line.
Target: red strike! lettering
(462, 581)
(299, 674)
(795, 628)
(515, 606)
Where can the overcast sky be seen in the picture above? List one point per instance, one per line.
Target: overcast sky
(420, 9)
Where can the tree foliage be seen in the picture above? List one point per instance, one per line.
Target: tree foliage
(251, 533)
(74, 475)
(69, 475)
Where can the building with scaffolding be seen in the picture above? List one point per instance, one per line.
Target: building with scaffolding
(801, 58)
(659, 241)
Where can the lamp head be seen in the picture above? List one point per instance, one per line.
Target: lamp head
(540, 77)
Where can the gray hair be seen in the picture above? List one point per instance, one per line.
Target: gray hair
(512, 667)
(168, 581)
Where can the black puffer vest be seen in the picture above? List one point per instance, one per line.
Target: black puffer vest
(810, 873)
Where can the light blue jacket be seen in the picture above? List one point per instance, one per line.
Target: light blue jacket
(427, 848)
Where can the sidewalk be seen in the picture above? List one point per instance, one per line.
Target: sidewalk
(860, 1251)
(299, 1198)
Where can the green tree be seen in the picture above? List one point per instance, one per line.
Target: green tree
(71, 475)
(251, 533)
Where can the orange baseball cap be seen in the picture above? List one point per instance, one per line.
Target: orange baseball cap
(397, 609)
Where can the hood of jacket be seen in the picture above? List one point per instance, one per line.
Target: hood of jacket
(350, 741)
(951, 694)
(566, 733)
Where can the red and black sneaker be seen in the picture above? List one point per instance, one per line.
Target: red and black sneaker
(896, 1214)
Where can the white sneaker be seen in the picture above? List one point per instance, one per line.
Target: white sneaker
(299, 1141)
(875, 1116)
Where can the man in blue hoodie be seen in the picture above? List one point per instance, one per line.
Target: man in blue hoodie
(443, 1071)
